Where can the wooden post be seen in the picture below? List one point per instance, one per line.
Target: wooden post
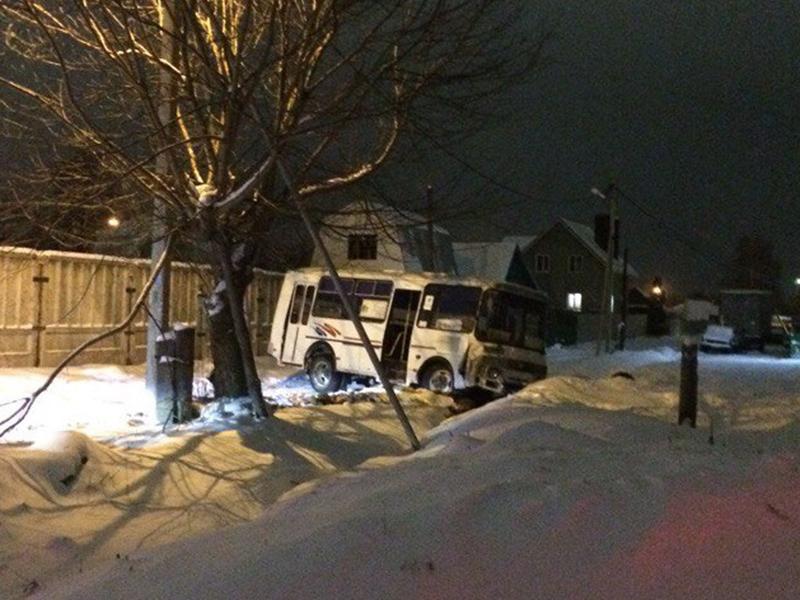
(129, 330)
(261, 318)
(687, 407)
(38, 316)
(200, 334)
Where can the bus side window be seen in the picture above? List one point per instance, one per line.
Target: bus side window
(328, 304)
(307, 304)
(369, 298)
(297, 302)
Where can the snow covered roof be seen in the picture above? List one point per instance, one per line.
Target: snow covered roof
(489, 260)
(585, 234)
(523, 241)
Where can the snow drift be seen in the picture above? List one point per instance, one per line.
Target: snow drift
(522, 498)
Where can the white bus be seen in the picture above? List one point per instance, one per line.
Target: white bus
(428, 329)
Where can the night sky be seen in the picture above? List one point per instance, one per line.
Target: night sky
(690, 106)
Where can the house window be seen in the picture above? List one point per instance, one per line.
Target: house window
(575, 264)
(542, 263)
(575, 301)
(362, 246)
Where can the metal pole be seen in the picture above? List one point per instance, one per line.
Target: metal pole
(351, 313)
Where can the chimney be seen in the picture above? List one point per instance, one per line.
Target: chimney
(601, 233)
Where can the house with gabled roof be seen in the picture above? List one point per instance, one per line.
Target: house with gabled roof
(370, 235)
(568, 262)
(495, 261)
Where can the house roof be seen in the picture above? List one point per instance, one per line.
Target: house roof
(377, 216)
(488, 260)
(523, 241)
(585, 235)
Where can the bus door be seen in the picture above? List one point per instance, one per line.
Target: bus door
(397, 337)
(294, 340)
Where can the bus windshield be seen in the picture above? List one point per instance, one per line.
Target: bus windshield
(449, 307)
(510, 319)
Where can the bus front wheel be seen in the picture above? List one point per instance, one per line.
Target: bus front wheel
(323, 375)
(438, 377)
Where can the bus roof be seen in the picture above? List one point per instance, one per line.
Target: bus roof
(424, 278)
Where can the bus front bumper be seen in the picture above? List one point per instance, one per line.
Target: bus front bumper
(501, 375)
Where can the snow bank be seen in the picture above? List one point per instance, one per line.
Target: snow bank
(572, 488)
(71, 503)
(526, 497)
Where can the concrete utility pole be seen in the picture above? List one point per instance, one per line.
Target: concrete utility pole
(606, 324)
(431, 235)
(612, 239)
(623, 329)
(160, 293)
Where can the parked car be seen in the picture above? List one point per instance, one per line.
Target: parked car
(745, 319)
(721, 338)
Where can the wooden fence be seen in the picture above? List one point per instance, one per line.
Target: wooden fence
(50, 302)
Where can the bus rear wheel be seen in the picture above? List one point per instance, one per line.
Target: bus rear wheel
(323, 375)
(438, 377)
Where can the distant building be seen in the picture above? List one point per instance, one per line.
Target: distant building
(497, 261)
(568, 262)
(369, 235)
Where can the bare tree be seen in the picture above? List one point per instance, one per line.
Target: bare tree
(222, 91)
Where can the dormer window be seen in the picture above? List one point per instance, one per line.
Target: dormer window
(362, 246)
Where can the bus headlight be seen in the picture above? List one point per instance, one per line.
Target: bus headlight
(494, 379)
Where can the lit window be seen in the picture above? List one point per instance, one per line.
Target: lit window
(362, 246)
(575, 301)
(575, 264)
(542, 263)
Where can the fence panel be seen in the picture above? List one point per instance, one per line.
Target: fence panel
(50, 302)
(19, 307)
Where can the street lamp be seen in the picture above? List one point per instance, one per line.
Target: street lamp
(657, 289)
(598, 193)
(113, 221)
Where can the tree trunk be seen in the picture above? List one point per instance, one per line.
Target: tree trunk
(228, 376)
(235, 373)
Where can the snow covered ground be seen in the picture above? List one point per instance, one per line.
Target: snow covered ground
(579, 486)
